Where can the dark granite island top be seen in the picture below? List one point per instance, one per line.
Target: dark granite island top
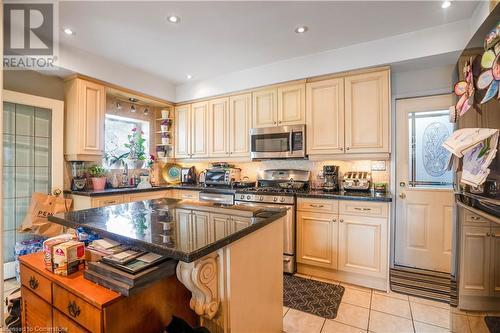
(182, 230)
(347, 195)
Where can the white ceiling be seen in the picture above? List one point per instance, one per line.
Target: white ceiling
(216, 38)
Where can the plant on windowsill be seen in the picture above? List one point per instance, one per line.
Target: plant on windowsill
(136, 155)
(98, 176)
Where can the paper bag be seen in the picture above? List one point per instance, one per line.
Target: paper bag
(41, 207)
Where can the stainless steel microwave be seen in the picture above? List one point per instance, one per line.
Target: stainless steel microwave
(278, 142)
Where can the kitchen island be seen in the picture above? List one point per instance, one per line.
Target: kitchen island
(229, 258)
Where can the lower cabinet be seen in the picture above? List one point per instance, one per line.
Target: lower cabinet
(495, 261)
(363, 245)
(317, 239)
(349, 244)
(36, 313)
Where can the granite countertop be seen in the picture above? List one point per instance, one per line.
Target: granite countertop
(129, 190)
(160, 226)
(347, 195)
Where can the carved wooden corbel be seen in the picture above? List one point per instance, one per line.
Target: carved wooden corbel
(201, 278)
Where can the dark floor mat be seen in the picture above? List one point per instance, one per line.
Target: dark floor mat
(311, 296)
(493, 324)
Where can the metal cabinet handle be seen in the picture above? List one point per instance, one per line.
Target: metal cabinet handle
(316, 206)
(334, 220)
(341, 148)
(363, 209)
(279, 122)
(347, 148)
(341, 220)
(73, 309)
(475, 218)
(33, 282)
(493, 235)
(274, 122)
(488, 234)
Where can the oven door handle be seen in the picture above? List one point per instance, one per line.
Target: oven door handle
(291, 142)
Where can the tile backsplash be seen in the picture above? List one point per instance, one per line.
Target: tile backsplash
(250, 169)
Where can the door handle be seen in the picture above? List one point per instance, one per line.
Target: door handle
(402, 184)
(402, 195)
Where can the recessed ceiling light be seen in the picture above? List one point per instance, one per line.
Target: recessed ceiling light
(446, 4)
(301, 29)
(189, 76)
(173, 19)
(68, 31)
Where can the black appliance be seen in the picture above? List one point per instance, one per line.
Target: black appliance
(331, 178)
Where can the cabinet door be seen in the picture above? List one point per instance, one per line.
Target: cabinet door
(240, 109)
(36, 313)
(264, 107)
(183, 232)
(199, 129)
(475, 261)
(201, 231)
(219, 127)
(367, 113)
(183, 131)
(238, 223)
(325, 117)
(317, 239)
(363, 245)
(292, 105)
(220, 225)
(92, 106)
(495, 261)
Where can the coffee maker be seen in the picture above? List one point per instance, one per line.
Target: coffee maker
(78, 180)
(330, 175)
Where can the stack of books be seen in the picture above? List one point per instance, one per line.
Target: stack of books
(128, 270)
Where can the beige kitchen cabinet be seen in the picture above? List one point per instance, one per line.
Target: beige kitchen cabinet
(141, 196)
(367, 112)
(265, 108)
(317, 239)
(495, 261)
(284, 105)
(183, 229)
(363, 245)
(220, 225)
(236, 223)
(202, 233)
(199, 130)
(107, 201)
(292, 105)
(85, 104)
(475, 261)
(184, 194)
(219, 127)
(240, 120)
(182, 131)
(325, 117)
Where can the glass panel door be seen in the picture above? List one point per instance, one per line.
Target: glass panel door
(27, 152)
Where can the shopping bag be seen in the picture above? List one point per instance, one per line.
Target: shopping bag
(41, 207)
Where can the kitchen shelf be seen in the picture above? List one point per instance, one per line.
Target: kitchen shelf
(159, 132)
(158, 119)
(163, 144)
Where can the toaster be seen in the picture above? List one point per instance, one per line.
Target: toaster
(357, 180)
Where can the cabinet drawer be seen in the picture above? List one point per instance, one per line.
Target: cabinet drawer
(364, 208)
(65, 325)
(188, 195)
(146, 196)
(317, 205)
(107, 201)
(35, 282)
(474, 220)
(36, 313)
(77, 309)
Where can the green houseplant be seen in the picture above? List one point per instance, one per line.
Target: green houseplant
(98, 176)
(137, 154)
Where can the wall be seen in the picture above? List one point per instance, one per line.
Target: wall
(34, 83)
(422, 82)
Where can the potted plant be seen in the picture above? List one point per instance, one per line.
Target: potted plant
(136, 154)
(98, 176)
(160, 152)
(165, 138)
(164, 114)
(164, 125)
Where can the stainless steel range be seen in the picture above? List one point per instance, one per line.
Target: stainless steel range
(276, 188)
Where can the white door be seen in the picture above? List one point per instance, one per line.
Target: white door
(424, 188)
(32, 134)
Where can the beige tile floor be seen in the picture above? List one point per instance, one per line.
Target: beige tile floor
(367, 310)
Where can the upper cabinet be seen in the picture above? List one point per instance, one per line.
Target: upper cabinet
(325, 117)
(85, 109)
(279, 106)
(349, 115)
(240, 119)
(367, 113)
(219, 127)
(183, 131)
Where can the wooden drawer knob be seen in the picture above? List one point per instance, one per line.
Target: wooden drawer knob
(73, 309)
(33, 282)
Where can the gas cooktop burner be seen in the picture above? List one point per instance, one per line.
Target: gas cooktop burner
(272, 190)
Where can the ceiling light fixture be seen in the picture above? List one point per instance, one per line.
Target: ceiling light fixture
(446, 4)
(146, 111)
(173, 19)
(68, 31)
(132, 108)
(301, 29)
(189, 76)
